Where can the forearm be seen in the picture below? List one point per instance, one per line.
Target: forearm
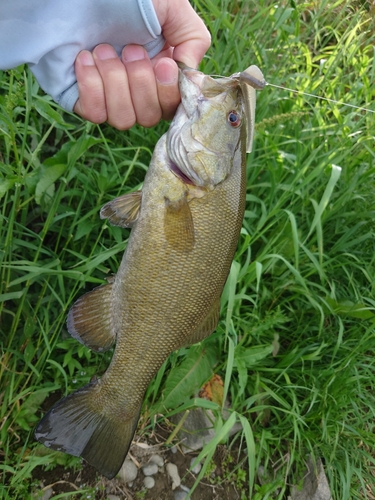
(48, 35)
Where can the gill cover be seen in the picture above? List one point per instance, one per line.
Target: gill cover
(204, 119)
(201, 142)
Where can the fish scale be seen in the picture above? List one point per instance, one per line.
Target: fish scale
(166, 294)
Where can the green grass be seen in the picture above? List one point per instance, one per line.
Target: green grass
(297, 333)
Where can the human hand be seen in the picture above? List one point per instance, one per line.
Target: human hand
(135, 89)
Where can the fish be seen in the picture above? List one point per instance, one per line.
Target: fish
(186, 223)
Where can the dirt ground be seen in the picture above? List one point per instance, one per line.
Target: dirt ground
(217, 484)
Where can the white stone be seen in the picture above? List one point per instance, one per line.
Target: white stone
(315, 484)
(184, 488)
(149, 482)
(150, 469)
(198, 428)
(197, 468)
(128, 471)
(47, 494)
(157, 459)
(113, 497)
(180, 495)
(172, 472)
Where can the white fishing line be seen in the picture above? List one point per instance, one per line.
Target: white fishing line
(301, 92)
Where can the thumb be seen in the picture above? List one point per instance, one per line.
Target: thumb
(184, 30)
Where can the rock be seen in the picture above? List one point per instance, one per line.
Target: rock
(149, 482)
(184, 488)
(128, 471)
(47, 494)
(172, 472)
(315, 484)
(263, 475)
(157, 459)
(180, 495)
(197, 468)
(150, 469)
(113, 497)
(174, 449)
(198, 428)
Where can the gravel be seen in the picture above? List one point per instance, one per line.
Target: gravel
(197, 468)
(128, 471)
(150, 469)
(180, 495)
(172, 472)
(149, 482)
(157, 459)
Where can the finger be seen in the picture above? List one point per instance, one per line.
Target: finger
(184, 30)
(166, 73)
(120, 110)
(91, 102)
(142, 84)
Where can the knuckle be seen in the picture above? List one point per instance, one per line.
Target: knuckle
(122, 122)
(96, 117)
(150, 121)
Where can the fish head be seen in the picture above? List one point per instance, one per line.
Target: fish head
(210, 125)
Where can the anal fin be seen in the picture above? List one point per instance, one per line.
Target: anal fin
(90, 319)
(124, 210)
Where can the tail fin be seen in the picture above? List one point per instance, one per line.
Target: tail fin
(73, 426)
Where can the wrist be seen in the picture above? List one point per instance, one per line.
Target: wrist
(160, 7)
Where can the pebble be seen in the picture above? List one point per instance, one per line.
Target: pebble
(174, 449)
(172, 472)
(128, 471)
(150, 469)
(197, 468)
(157, 459)
(149, 482)
(180, 495)
(184, 488)
(47, 494)
(262, 475)
(113, 497)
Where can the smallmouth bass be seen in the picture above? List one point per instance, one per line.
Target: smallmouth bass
(185, 224)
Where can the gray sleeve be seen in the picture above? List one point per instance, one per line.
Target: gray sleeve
(48, 34)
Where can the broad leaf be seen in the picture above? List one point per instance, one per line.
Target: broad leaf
(187, 378)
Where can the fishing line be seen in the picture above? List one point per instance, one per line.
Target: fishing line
(301, 92)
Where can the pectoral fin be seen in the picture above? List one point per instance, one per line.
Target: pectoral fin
(90, 319)
(178, 224)
(208, 326)
(124, 210)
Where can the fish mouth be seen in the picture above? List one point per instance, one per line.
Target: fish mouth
(179, 138)
(192, 156)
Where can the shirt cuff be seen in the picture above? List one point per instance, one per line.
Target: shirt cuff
(68, 98)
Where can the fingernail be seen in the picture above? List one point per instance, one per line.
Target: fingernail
(85, 58)
(166, 72)
(104, 52)
(133, 53)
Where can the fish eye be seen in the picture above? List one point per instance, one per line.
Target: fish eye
(234, 119)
